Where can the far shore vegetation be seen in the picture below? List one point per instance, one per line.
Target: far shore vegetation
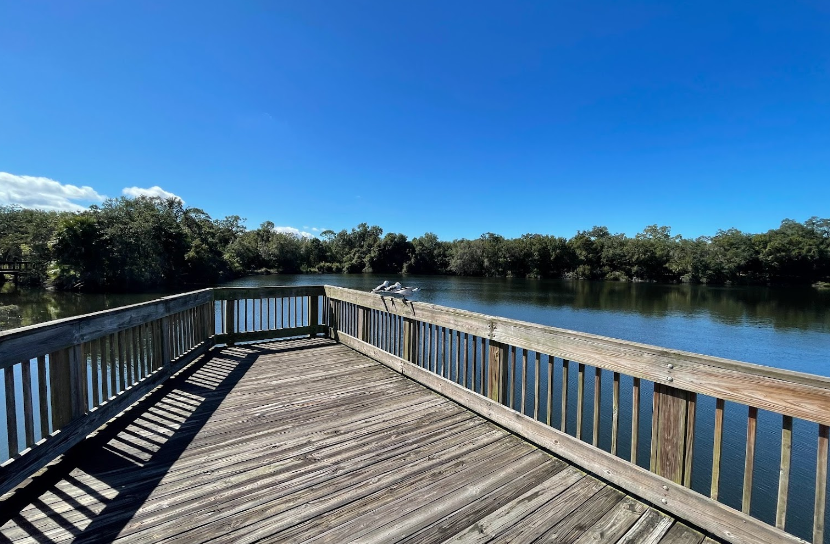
(135, 244)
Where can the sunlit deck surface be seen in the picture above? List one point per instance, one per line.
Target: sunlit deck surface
(307, 441)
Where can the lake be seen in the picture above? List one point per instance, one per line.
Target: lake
(783, 327)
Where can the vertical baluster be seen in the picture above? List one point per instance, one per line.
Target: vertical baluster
(443, 339)
(268, 314)
(104, 369)
(691, 415)
(114, 364)
(821, 484)
(261, 313)
(138, 356)
(143, 354)
(11, 411)
(484, 388)
(122, 359)
(563, 426)
(655, 419)
(597, 398)
(537, 381)
(580, 398)
(635, 419)
(475, 362)
(524, 381)
(749, 462)
(431, 360)
(784, 472)
(449, 354)
(513, 370)
(439, 354)
(716, 449)
(464, 365)
(457, 357)
(550, 389)
(43, 396)
(94, 353)
(128, 341)
(615, 413)
(28, 412)
(436, 355)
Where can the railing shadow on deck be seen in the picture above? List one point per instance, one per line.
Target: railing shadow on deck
(150, 435)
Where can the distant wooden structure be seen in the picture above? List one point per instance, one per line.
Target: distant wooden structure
(15, 268)
(306, 439)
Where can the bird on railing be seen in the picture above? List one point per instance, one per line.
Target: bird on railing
(395, 290)
(382, 287)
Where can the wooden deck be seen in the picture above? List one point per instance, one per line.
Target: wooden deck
(309, 441)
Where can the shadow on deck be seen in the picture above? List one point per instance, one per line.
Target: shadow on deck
(307, 440)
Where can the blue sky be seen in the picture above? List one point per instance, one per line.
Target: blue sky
(453, 117)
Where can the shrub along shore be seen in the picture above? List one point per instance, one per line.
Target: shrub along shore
(130, 244)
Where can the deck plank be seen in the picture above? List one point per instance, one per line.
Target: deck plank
(309, 441)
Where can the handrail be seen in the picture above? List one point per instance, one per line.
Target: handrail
(507, 362)
(77, 373)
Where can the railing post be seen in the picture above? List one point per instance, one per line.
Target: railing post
(332, 328)
(313, 310)
(77, 373)
(165, 341)
(363, 323)
(410, 346)
(230, 321)
(497, 384)
(672, 433)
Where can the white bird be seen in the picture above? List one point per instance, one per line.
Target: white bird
(382, 287)
(406, 291)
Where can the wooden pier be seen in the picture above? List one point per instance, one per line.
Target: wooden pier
(15, 268)
(321, 414)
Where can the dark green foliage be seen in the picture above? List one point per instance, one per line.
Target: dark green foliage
(131, 244)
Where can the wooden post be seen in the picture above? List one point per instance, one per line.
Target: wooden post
(497, 388)
(60, 386)
(230, 320)
(673, 412)
(77, 373)
(333, 319)
(410, 345)
(363, 323)
(165, 341)
(313, 310)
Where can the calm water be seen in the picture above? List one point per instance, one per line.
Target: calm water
(787, 327)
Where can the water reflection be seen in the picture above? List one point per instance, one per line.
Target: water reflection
(786, 327)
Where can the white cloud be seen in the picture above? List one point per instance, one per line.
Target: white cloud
(44, 193)
(295, 231)
(152, 191)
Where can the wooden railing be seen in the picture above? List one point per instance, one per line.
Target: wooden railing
(678, 429)
(247, 314)
(14, 267)
(650, 436)
(66, 378)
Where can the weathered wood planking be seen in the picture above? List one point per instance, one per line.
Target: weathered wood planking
(796, 394)
(305, 440)
(720, 520)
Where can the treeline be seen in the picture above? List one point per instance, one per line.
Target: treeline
(132, 244)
